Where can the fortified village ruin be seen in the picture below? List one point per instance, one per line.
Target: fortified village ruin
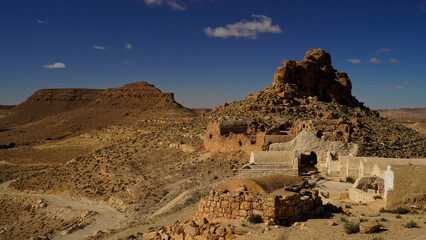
(299, 146)
(289, 137)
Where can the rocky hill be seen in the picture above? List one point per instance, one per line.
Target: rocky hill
(313, 89)
(57, 113)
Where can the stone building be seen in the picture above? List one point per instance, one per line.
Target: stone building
(277, 198)
(233, 135)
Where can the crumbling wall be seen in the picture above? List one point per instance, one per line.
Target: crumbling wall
(405, 186)
(306, 140)
(372, 166)
(281, 208)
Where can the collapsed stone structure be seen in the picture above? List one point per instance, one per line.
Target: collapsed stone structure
(233, 135)
(276, 198)
(399, 181)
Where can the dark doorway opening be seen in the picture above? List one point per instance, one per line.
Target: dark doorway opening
(308, 160)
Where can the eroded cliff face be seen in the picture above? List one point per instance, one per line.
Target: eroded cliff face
(314, 76)
(81, 95)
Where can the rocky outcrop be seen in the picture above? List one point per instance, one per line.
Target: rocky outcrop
(313, 76)
(64, 95)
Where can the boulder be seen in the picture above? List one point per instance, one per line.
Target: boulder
(369, 227)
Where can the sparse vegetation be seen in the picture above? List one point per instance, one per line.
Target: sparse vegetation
(7, 146)
(383, 220)
(351, 228)
(255, 218)
(348, 206)
(399, 210)
(350, 179)
(411, 224)
(398, 216)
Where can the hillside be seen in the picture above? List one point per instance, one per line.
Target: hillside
(404, 114)
(57, 113)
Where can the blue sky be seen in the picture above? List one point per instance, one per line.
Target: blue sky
(210, 51)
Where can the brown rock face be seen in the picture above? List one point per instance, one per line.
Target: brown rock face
(314, 76)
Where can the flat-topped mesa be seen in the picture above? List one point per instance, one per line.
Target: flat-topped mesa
(138, 91)
(313, 77)
(64, 95)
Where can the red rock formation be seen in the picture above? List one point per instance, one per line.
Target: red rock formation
(314, 76)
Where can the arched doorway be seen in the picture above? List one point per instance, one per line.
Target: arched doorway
(308, 160)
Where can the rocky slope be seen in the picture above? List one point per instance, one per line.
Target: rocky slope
(298, 92)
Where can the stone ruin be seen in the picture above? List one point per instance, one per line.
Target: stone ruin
(233, 135)
(279, 199)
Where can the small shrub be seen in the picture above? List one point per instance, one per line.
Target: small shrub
(343, 219)
(411, 224)
(398, 216)
(383, 219)
(348, 206)
(321, 178)
(363, 220)
(401, 210)
(215, 177)
(377, 197)
(351, 228)
(377, 238)
(370, 186)
(350, 179)
(7, 146)
(255, 218)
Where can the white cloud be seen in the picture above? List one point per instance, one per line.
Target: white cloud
(174, 4)
(153, 2)
(99, 47)
(56, 65)
(128, 46)
(354, 60)
(245, 29)
(393, 60)
(42, 21)
(399, 86)
(375, 60)
(382, 50)
(406, 82)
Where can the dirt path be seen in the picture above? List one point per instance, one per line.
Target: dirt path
(107, 217)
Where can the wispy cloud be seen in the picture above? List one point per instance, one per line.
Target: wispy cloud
(423, 7)
(393, 60)
(406, 82)
(414, 88)
(56, 65)
(128, 46)
(126, 62)
(245, 29)
(354, 60)
(383, 50)
(42, 21)
(399, 86)
(387, 86)
(99, 47)
(375, 60)
(173, 4)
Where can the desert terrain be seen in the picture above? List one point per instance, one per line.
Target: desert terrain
(131, 162)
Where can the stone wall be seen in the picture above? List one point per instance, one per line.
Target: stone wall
(372, 166)
(280, 207)
(405, 186)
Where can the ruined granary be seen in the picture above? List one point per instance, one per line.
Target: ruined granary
(233, 135)
(276, 198)
(400, 182)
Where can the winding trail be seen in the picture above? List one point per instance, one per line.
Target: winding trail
(107, 217)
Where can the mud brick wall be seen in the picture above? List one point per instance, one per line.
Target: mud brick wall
(280, 208)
